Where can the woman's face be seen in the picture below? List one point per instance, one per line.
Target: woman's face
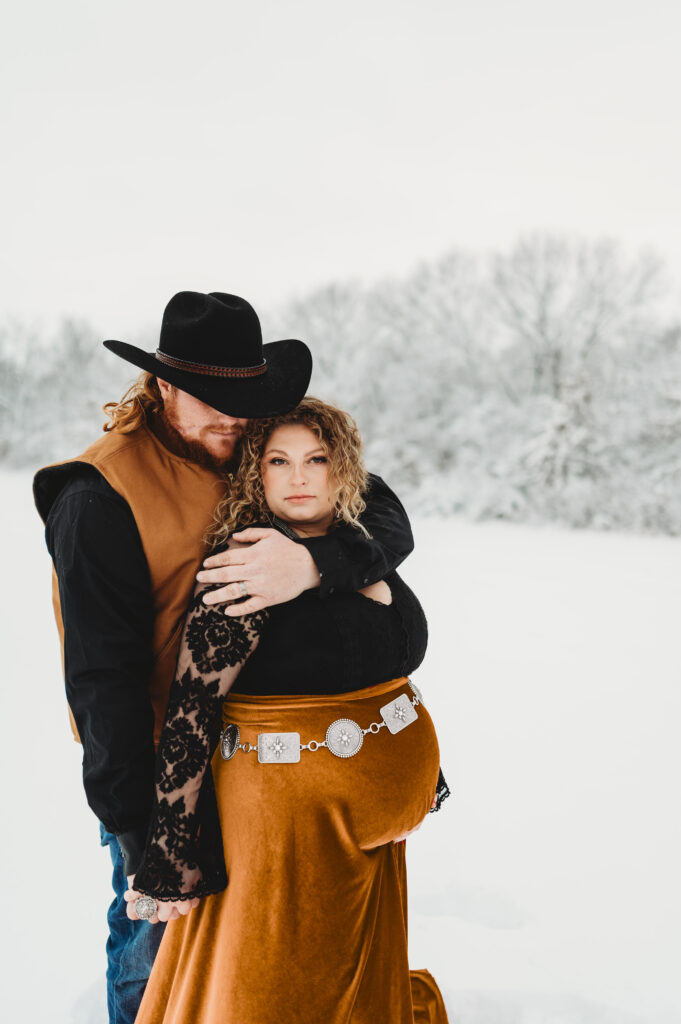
(296, 479)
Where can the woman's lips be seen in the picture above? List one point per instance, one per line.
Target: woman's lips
(300, 497)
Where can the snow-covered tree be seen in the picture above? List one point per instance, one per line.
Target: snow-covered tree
(540, 384)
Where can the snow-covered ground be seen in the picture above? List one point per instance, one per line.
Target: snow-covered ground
(546, 891)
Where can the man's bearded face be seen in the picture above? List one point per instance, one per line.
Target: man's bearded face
(206, 435)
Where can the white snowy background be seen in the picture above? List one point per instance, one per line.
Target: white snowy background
(545, 891)
(470, 212)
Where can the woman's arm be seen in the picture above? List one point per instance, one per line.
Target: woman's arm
(181, 857)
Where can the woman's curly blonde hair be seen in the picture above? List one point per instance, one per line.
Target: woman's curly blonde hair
(340, 441)
(139, 401)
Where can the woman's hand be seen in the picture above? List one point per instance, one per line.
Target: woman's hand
(168, 910)
(404, 836)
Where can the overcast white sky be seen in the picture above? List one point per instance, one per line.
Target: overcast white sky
(266, 146)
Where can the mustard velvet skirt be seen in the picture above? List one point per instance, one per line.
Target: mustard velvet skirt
(312, 927)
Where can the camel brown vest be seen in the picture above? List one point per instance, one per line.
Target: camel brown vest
(172, 500)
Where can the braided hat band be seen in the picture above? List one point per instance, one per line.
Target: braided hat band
(211, 371)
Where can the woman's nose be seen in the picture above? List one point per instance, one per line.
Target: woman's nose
(299, 475)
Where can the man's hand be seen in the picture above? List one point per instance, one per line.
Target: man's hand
(272, 567)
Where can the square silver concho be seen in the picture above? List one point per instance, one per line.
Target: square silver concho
(399, 713)
(278, 747)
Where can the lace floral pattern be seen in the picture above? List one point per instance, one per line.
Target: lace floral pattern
(441, 793)
(214, 643)
(183, 852)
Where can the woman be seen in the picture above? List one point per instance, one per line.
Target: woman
(327, 760)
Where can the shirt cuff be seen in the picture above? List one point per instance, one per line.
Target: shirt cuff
(328, 558)
(132, 847)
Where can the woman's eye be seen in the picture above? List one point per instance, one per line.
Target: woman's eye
(319, 458)
(277, 461)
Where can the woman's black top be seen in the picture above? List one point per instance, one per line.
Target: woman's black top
(305, 646)
(344, 642)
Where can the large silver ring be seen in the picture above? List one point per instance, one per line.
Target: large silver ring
(146, 907)
(242, 588)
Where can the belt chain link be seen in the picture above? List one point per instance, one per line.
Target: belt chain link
(344, 737)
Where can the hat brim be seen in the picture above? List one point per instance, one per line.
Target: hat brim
(277, 391)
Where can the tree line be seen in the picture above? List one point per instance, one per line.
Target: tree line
(537, 384)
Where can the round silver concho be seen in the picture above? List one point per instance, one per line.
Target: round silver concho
(344, 737)
(145, 907)
(229, 741)
(417, 692)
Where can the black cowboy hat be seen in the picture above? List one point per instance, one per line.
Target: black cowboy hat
(211, 347)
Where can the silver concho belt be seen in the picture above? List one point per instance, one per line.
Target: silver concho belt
(343, 737)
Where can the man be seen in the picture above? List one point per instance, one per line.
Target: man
(125, 525)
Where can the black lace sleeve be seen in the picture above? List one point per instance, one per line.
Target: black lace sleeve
(183, 853)
(441, 793)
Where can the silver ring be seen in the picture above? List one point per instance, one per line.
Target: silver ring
(242, 588)
(146, 907)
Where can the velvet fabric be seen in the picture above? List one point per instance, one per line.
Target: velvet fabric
(313, 924)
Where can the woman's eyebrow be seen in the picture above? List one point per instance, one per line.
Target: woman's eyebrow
(281, 451)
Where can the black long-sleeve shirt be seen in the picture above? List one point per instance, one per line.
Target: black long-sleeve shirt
(107, 610)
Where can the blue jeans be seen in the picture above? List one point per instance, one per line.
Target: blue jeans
(130, 948)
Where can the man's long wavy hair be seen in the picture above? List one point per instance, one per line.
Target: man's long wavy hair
(340, 441)
(140, 400)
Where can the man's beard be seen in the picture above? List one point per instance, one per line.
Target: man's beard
(194, 450)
